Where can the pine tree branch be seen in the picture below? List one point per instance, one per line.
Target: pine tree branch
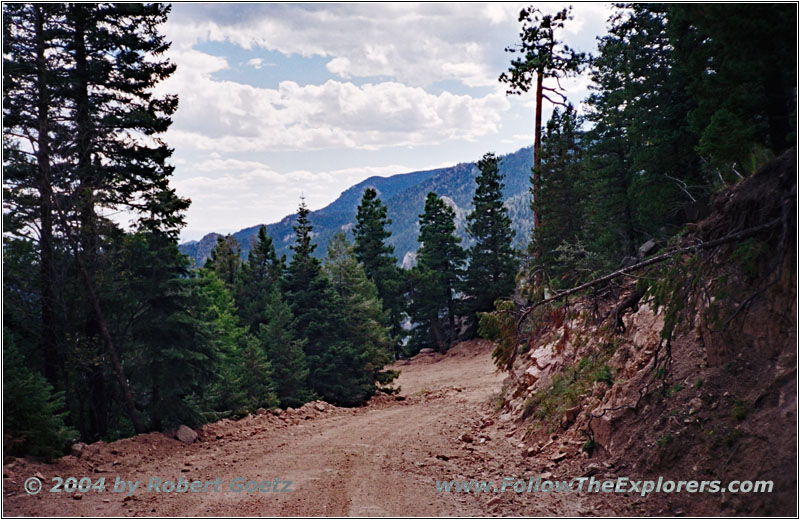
(554, 102)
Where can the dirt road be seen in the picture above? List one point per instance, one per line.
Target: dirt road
(379, 460)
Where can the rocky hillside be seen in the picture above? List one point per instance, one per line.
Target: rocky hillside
(404, 195)
(686, 369)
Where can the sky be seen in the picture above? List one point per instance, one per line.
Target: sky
(283, 101)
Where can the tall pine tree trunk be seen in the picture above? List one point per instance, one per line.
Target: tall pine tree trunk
(437, 333)
(116, 365)
(537, 163)
(49, 339)
(86, 253)
(451, 316)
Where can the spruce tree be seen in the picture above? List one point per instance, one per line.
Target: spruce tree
(639, 161)
(256, 278)
(32, 93)
(380, 265)
(256, 376)
(318, 313)
(169, 353)
(91, 117)
(285, 352)
(365, 329)
(225, 260)
(492, 259)
(33, 413)
(741, 65)
(562, 197)
(244, 375)
(436, 277)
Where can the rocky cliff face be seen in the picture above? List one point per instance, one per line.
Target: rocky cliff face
(696, 381)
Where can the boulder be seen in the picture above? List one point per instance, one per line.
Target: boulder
(647, 248)
(77, 449)
(466, 437)
(320, 407)
(185, 434)
(695, 405)
(427, 351)
(602, 432)
(570, 416)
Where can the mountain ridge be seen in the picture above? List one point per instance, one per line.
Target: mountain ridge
(404, 195)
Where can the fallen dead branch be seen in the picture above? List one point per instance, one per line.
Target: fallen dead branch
(733, 237)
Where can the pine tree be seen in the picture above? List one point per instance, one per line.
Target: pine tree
(562, 197)
(741, 65)
(244, 374)
(33, 414)
(370, 234)
(225, 260)
(436, 277)
(318, 313)
(256, 278)
(285, 352)
(492, 259)
(365, 328)
(543, 56)
(31, 95)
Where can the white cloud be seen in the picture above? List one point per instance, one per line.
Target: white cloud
(226, 116)
(416, 44)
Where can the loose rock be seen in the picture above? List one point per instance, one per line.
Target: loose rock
(185, 434)
(77, 449)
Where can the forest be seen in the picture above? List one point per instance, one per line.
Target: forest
(109, 331)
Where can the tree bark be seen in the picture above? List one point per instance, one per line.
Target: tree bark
(537, 164)
(451, 317)
(116, 365)
(49, 339)
(87, 230)
(437, 334)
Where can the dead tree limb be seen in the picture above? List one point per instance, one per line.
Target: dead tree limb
(733, 237)
(631, 302)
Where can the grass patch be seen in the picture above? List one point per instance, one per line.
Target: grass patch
(549, 405)
(739, 411)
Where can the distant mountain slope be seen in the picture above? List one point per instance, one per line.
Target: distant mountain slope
(404, 195)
